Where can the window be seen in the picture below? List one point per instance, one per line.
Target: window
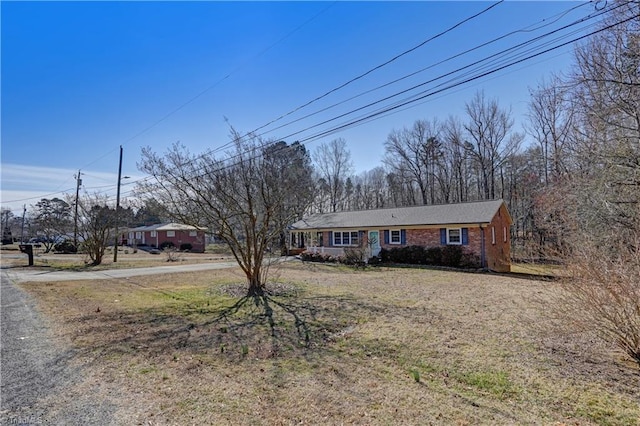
(454, 236)
(346, 238)
(154, 234)
(395, 236)
(171, 233)
(504, 233)
(138, 235)
(193, 233)
(354, 238)
(493, 235)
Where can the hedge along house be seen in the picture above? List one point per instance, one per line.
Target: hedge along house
(174, 233)
(482, 229)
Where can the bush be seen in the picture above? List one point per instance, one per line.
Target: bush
(354, 257)
(385, 256)
(433, 256)
(470, 260)
(374, 260)
(172, 254)
(602, 294)
(318, 257)
(186, 247)
(65, 247)
(451, 256)
(414, 255)
(166, 244)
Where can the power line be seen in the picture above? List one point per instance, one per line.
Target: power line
(450, 73)
(352, 80)
(321, 134)
(427, 94)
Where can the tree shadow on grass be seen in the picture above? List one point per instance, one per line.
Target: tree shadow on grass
(260, 326)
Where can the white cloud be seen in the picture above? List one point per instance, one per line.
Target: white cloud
(23, 184)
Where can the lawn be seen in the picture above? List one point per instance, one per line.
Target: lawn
(334, 346)
(127, 258)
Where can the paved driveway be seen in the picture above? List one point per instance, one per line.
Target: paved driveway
(39, 275)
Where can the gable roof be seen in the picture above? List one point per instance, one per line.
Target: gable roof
(166, 227)
(438, 214)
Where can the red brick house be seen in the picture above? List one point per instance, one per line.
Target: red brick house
(482, 228)
(176, 233)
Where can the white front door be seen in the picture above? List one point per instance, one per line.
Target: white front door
(374, 242)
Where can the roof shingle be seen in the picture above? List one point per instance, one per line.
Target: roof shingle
(439, 214)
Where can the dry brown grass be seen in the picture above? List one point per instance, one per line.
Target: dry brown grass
(383, 346)
(11, 257)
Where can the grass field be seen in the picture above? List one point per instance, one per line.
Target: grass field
(127, 258)
(334, 346)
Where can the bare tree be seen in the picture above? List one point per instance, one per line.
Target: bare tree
(413, 153)
(51, 219)
(96, 222)
(6, 216)
(333, 164)
(237, 197)
(370, 189)
(550, 124)
(492, 140)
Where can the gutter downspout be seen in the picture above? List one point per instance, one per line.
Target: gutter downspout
(483, 257)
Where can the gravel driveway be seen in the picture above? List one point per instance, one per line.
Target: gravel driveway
(41, 379)
(37, 372)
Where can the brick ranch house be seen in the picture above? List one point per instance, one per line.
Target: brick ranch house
(482, 228)
(176, 233)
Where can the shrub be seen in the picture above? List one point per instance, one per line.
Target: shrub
(602, 294)
(166, 244)
(65, 247)
(470, 260)
(172, 254)
(416, 255)
(354, 257)
(186, 247)
(318, 257)
(433, 256)
(374, 260)
(451, 256)
(385, 256)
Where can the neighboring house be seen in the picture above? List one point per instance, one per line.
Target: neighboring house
(176, 233)
(482, 228)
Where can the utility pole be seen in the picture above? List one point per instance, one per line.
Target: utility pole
(115, 248)
(24, 212)
(75, 217)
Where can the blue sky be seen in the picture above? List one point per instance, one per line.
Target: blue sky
(79, 79)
